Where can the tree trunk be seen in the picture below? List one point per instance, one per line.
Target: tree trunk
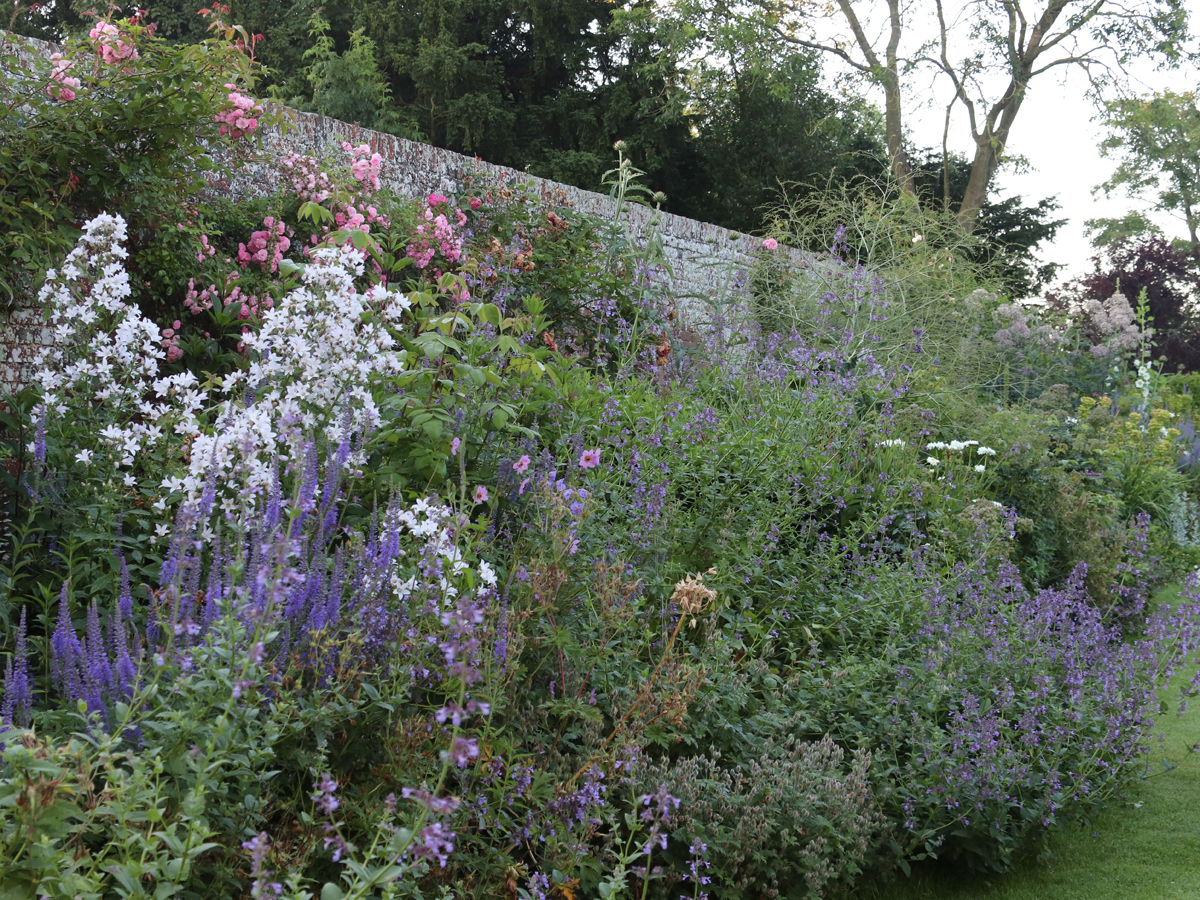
(894, 129)
(894, 123)
(988, 148)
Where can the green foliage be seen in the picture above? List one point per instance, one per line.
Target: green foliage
(124, 142)
(1157, 140)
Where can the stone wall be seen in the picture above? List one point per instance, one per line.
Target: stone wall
(703, 257)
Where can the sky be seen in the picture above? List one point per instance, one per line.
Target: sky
(1056, 133)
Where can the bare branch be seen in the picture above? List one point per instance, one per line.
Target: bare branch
(860, 35)
(824, 48)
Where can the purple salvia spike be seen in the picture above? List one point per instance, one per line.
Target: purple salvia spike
(125, 598)
(18, 685)
(66, 653)
(308, 488)
(125, 672)
(99, 671)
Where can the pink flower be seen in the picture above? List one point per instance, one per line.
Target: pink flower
(521, 465)
(475, 203)
(521, 490)
(454, 452)
(435, 199)
(590, 459)
(770, 243)
(481, 494)
(112, 45)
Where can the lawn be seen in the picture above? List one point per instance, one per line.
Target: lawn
(1146, 847)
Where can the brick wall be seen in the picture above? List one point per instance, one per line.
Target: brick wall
(702, 257)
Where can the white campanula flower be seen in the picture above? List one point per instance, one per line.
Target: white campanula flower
(314, 364)
(84, 456)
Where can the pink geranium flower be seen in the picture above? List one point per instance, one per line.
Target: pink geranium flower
(481, 494)
(521, 465)
(590, 459)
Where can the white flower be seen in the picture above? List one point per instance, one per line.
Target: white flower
(937, 445)
(957, 445)
(979, 468)
(933, 460)
(84, 456)
(129, 480)
(986, 451)
(891, 442)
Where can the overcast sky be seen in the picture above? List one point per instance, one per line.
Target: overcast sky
(1054, 131)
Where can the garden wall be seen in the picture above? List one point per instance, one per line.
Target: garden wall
(703, 257)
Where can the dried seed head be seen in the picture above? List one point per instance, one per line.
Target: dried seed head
(691, 594)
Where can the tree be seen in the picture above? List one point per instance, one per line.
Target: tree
(1007, 233)
(548, 86)
(1170, 278)
(1158, 141)
(1009, 43)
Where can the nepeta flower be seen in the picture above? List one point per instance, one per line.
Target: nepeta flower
(462, 751)
(323, 795)
(590, 459)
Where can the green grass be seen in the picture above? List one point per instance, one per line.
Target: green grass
(1146, 847)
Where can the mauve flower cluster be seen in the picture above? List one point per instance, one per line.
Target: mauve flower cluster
(1112, 321)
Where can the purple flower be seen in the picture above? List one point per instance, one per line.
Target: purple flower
(18, 686)
(323, 795)
(435, 842)
(462, 751)
(454, 446)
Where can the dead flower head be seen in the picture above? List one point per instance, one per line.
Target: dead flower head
(691, 594)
